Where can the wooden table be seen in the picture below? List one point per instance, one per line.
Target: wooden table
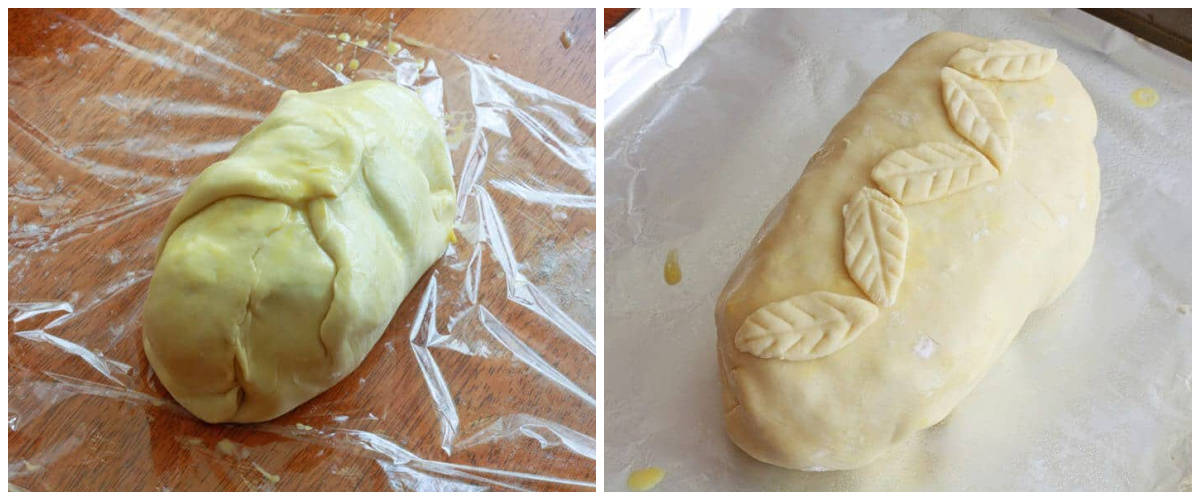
(86, 412)
(1170, 29)
(612, 17)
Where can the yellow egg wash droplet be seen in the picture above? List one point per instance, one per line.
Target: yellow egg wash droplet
(274, 478)
(345, 37)
(1144, 97)
(645, 479)
(353, 64)
(338, 67)
(671, 272)
(393, 48)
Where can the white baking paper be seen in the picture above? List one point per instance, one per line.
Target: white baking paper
(1094, 394)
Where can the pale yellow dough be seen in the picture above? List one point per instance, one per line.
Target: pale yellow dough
(282, 264)
(978, 262)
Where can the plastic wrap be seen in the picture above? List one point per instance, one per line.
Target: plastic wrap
(485, 378)
(1094, 394)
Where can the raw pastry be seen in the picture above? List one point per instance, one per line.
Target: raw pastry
(282, 264)
(957, 204)
(1011, 60)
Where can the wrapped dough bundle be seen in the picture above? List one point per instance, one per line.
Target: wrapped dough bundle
(956, 198)
(282, 264)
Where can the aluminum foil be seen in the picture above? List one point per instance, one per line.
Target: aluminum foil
(1094, 394)
(96, 162)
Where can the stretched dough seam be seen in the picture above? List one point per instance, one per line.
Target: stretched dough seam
(162, 242)
(239, 376)
(333, 285)
(317, 238)
(373, 199)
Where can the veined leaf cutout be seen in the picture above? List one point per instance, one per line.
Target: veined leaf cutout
(875, 244)
(1008, 60)
(977, 116)
(804, 327)
(930, 171)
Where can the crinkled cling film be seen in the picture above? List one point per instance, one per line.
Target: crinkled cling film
(1095, 391)
(485, 379)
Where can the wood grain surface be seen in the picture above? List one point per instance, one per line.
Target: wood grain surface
(613, 17)
(102, 421)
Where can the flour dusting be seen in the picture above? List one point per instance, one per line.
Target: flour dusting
(925, 347)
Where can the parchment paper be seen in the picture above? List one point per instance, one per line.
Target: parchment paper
(512, 299)
(1094, 394)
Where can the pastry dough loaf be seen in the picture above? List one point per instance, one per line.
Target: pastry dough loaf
(979, 259)
(282, 264)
